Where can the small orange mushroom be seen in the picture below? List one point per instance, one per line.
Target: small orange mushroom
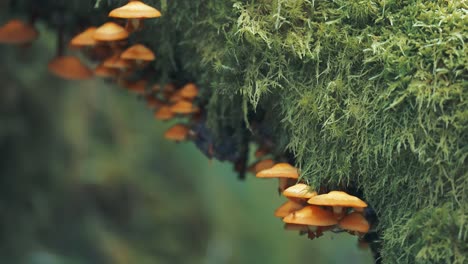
(135, 12)
(110, 31)
(355, 222)
(178, 132)
(164, 113)
(311, 215)
(84, 38)
(299, 191)
(138, 53)
(282, 171)
(338, 200)
(69, 68)
(261, 165)
(189, 91)
(184, 107)
(17, 32)
(287, 208)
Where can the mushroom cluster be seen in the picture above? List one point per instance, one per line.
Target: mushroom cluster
(307, 211)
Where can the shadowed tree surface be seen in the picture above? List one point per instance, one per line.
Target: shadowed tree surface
(364, 96)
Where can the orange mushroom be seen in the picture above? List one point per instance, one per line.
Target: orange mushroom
(189, 91)
(184, 107)
(355, 222)
(311, 215)
(138, 53)
(261, 165)
(17, 32)
(135, 12)
(110, 31)
(69, 68)
(299, 191)
(177, 133)
(338, 200)
(282, 171)
(84, 38)
(164, 113)
(287, 208)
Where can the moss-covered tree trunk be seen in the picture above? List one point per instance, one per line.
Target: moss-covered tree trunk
(364, 96)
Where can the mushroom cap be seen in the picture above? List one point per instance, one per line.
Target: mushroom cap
(84, 38)
(17, 32)
(115, 62)
(110, 31)
(189, 91)
(299, 190)
(183, 107)
(138, 52)
(164, 113)
(354, 222)
(105, 72)
(337, 198)
(69, 68)
(261, 165)
(135, 9)
(311, 215)
(178, 132)
(287, 208)
(280, 170)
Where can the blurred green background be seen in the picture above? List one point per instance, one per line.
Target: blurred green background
(86, 177)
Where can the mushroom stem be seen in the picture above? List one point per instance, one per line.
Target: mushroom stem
(133, 24)
(337, 210)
